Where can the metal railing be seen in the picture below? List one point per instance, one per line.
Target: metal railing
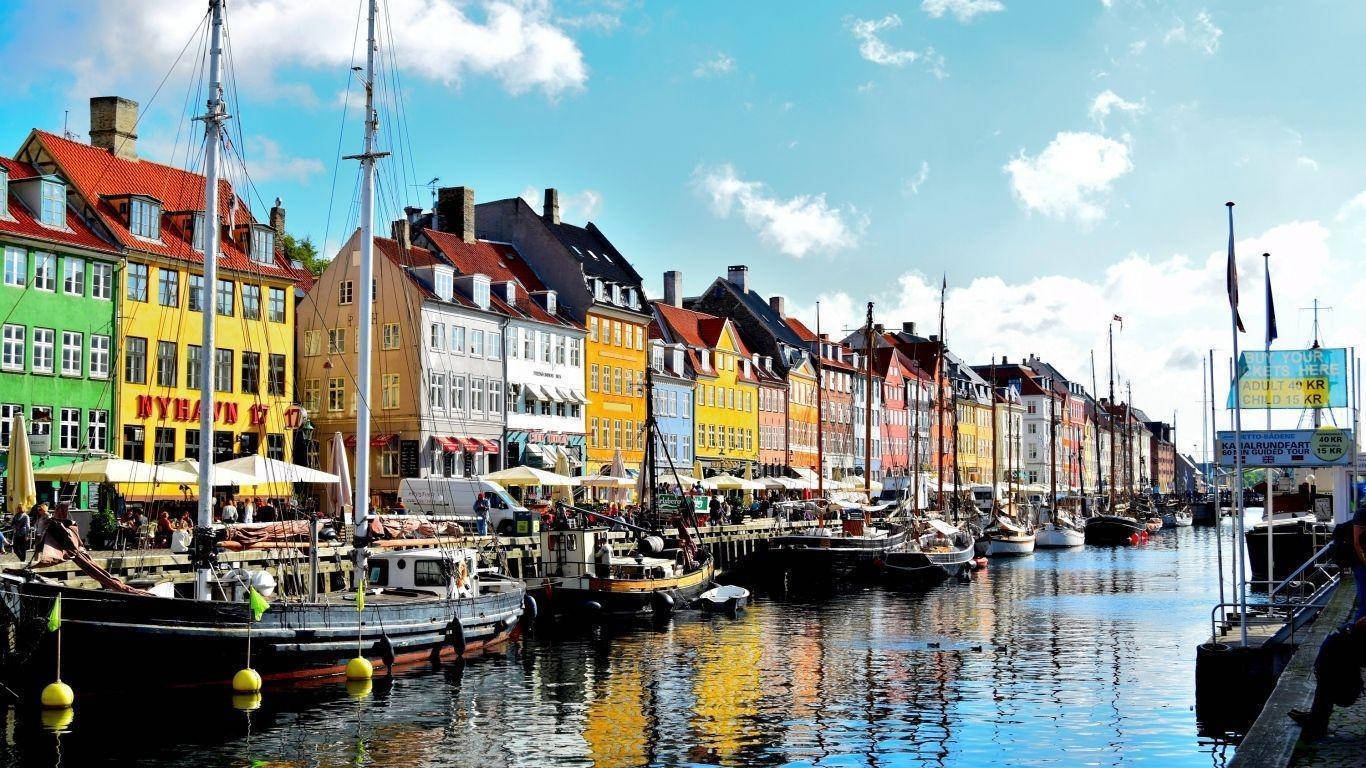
(1292, 605)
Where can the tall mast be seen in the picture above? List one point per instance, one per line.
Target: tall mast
(1110, 417)
(868, 406)
(1100, 474)
(367, 271)
(915, 460)
(213, 119)
(820, 408)
(1052, 452)
(995, 443)
(939, 393)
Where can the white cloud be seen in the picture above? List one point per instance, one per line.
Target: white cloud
(716, 66)
(604, 23)
(875, 49)
(867, 87)
(1200, 34)
(1062, 318)
(575, 207)
(517, 43)
(1108, 101)
(795, 226)
(1071, 177)
(963, 10)
(267, 161)
(1307, 162)
(912, 185)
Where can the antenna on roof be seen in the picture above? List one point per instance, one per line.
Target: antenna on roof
(430, 187)
(66, 126)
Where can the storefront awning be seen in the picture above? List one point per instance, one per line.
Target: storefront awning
(536, 391)
(477, 444)
(376, 441)
(450, 444)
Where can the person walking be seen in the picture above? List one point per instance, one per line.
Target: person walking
(23, 534)
(1359, 567)
(1337, 670)
(481, 514)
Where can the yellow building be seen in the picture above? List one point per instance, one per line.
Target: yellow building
(725, 400)
(155, 212)
(614, 358)
(975, 442)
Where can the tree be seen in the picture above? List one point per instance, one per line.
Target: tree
(304, 252)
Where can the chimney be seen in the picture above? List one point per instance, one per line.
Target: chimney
(277, 218)
(1004, 361)
(112, 122)
(673, 288)
(412, 213)
(455, 212)
(401, 231)
(778, 304)
(878, 328)
(551, 211)
(738, 276)
(908, 327)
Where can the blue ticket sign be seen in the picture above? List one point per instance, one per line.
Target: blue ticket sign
(1293, 378)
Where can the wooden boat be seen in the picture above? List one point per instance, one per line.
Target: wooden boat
(1005, 536)
(728, 599)
(1059, 535)
(584, 578)
(827, 556)
(1111, 530)
(942, 552)
(1153, 524)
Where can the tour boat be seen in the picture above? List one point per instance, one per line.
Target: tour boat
(942, 552)
(584, 578)
(1204, 511)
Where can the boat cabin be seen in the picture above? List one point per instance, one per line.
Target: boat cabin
(578, 553)
(432, 571)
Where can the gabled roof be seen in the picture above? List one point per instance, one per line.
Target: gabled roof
(698, 330)
(595, 252)
(98, 175)
(21, 221)
(502, 263)
(763, 312)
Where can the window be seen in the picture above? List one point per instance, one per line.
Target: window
(436, 337)
(193, 366)
(336, 341)
(616, 380)
(144, 218)
(560, 343)
(275, 374)
(336, 394)
(630, 435)
(495, 397)
(225, 294)
(476, 342)
(458, 339)
(262, 245)
(44, 349)
(251, 372)
(494, 349)
(197, 232)
(275, 446)
(437, 391)
(73, 345)
(163, 445)
(512, 335)
(134, 446)
(529, 345)
(195, 298)
(312, 395)
(616, 433)
(345, 290)
(593, 432)
(251, 302)
(44, 271)
(12, 353)
(574, 351)
(135, 276)
(443, 285)
(616, 333)
(73, 276)
(16, 266)
(168, 287)
(458, 396)
(389, 336)
(388, 394)
(97, 431)
(592, 329)
(640, 337)
(192, 444)
(388, 467)
(53, 209)
(275, 311)
(167, 359)
(135, 360)
(222, 370)
(476, 398)
(593, 377)
(69, 430)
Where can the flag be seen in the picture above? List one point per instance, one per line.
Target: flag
(1270, 307)
(257, 603)
(1120, 320)
(1232, 274)
(54, 617)
(360, 598)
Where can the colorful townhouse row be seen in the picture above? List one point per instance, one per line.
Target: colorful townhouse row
(504, 336)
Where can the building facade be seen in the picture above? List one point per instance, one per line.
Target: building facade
(771, 408)
(673, 406)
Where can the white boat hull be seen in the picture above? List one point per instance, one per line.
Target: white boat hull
(1057, 538)
(1014, 545)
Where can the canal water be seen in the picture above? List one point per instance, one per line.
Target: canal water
(1083, 657)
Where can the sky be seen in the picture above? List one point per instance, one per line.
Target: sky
(1059, 163)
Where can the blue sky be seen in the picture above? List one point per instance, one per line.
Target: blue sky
(1061, 161)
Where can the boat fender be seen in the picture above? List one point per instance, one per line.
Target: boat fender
(965, 574)
(662, 603)
(499, 627)
(455, 635)
(528, 609)
(592, 607)
(385, 648)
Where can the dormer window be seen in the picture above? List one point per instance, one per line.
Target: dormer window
(628, 297)
(444, 285)
(657, 356)
(480, 291)
(616, 294)
(144, 216)
(4, 192)
(52, 210)
(705, 355)
(550, 303)
(197, 232)
(262, 244)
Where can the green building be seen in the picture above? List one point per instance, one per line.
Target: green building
(59, 336)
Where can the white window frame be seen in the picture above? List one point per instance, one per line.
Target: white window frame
(345, 292)
(73, 349)
(49, 343)
(144, 218)
(476, 348)
(52, 208)
(15, 347)
(68, 430)
(436, 391)
(97, 430)
(16, 266)
(44, 271)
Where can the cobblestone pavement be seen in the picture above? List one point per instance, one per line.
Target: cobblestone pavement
(1345, 744)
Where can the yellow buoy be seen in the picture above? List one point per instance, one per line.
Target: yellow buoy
(359, 668)
(58, 695)
(58, 718)
(246, 681)
(359, 689)
(246, 702)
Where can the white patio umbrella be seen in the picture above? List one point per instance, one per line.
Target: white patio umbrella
(20, 490)
(339, 493)
(621, 495)
(266, 470)
(217, 475)
(525, 476)
(605, 481)
(115, 471)
(725, 482)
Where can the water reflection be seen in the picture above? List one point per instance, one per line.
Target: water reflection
(1059, 658)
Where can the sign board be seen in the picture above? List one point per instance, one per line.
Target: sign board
(40, 445)
(409, 452)
(1324, 447)
(1292, 378)
(668, 502)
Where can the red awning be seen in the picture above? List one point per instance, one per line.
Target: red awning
(450, 444)
(376, 441)
(487, 446)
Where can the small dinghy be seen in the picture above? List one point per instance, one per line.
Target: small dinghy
(724, 599)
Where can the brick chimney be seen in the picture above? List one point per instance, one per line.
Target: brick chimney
(908, 327)
(778, 304)
(113, 120)
(738, 276)
(673, 288)
(551, 211)
(402, 231)
(455, 212)
(277, 218)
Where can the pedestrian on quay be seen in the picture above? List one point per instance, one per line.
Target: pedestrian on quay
(481, 514)
(714, 508)
(1359, 567)
(23, 534)
(1337, 669)
(249, 510)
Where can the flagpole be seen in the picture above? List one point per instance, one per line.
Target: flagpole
(1269, 507)
(1212, 482)
(1236, 321)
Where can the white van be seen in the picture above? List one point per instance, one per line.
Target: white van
(454, 497)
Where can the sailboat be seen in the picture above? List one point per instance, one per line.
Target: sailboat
(419, 604)
(1058, 531)
(1116, 526)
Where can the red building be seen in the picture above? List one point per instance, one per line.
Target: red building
(896, 373)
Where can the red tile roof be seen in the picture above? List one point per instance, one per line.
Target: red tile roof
(97, 174)
(24, 224)
(502, 263)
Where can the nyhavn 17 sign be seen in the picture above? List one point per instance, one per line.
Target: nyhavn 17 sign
(1324, 447)
(1292, 378)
